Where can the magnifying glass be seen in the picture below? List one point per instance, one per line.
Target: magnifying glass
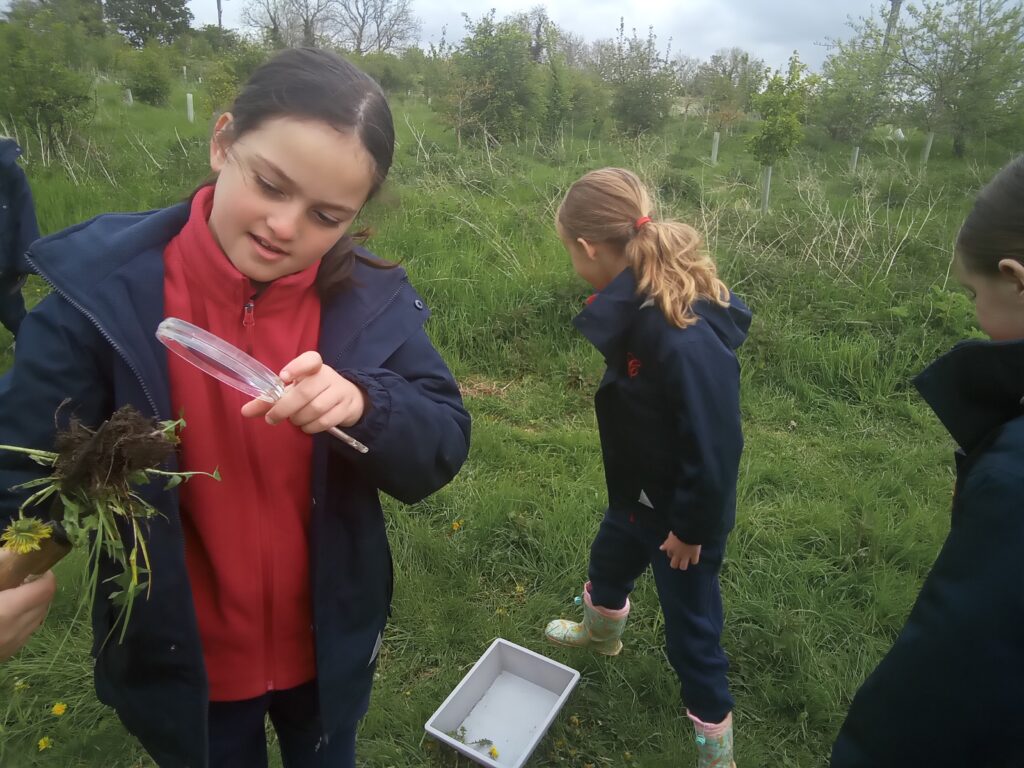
(230, 365)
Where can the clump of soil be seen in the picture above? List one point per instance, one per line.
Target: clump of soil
(107, 461)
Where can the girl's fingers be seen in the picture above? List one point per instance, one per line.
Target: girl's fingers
(302, 366)
(316, 414)
(256, 408)
(339, 416)
(296, 398)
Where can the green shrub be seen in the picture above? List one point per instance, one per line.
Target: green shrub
(149, 77)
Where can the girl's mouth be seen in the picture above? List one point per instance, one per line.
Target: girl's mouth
(266, 248)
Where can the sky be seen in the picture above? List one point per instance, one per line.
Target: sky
(769, 29)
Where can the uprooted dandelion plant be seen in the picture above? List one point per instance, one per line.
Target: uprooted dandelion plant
(94, 503)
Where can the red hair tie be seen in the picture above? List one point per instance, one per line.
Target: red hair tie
(640, 222)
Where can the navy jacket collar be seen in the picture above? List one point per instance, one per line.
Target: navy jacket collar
(975, 388)
(610, 313)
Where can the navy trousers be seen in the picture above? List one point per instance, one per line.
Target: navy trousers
(690, 600)
(238, 737)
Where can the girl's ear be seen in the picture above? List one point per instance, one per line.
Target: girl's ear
(1013, 270)
(219, 143)
(588, 248)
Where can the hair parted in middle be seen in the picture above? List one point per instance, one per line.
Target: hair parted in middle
(668, 258)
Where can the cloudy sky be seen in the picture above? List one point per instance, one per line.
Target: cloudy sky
(770, 29)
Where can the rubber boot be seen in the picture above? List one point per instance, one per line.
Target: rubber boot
(714, 743)
(600, 630)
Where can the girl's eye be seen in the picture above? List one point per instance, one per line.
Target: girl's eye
(267, 187)
(323, 218)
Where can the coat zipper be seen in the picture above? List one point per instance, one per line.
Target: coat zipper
(103, 333)
(249, 323)
(267, 558)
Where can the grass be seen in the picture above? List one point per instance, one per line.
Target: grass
(845, 481)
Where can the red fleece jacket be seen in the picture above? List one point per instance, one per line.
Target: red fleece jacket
(246, 537)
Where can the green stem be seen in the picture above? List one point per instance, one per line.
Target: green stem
(185, 475)
(48, 455)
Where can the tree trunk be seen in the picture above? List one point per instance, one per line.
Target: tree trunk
(959, 144)
(890, 27)
(220, 15)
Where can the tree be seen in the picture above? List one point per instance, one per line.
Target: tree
(87, 15)
(891, 22)
(39, 91)
(496, 88)
(643, 81)
(270, 19)
(856, 91)
(539, 29)
(149, 76)
(781, 105)
(289, 23)
(375, 26)
(143, 21)
(958, 63)
(727, 83)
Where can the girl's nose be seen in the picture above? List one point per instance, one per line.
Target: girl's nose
(283, 222)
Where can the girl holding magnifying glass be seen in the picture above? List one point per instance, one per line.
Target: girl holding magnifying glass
(269, 590)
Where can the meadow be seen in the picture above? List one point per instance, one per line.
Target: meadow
(845, 481)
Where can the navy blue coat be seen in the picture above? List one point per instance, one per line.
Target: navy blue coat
(668, 409)
(18, 230)
(950, 692)
(92, 342)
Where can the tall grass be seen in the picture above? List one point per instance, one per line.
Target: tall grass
(844, 484)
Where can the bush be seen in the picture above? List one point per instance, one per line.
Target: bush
(680, 185)
(149, 77)
(221, 87)
(38, 90)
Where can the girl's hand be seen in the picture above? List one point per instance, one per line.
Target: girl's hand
(681, 554)
(317, 398)
(22, 610)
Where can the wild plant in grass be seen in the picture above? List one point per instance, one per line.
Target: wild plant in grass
(94, 503)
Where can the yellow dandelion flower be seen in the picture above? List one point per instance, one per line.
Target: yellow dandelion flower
(45, 743)
(493, 752)
(457, 525)
(21, 685)
(59, 709)
(24, 535)
(520, 589)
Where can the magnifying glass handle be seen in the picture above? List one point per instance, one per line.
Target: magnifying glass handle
(348, 440)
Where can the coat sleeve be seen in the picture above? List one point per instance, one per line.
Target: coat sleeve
(13, 269)
(704, 397)
(56, 373)
(416, 428)
(948, 693)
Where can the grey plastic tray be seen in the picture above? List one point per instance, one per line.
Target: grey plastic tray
(507, 701)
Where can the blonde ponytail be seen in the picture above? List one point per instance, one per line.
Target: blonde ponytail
(667, 257)
(674, 270)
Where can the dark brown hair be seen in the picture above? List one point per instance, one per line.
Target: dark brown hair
(994, 229)
(308, 83)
